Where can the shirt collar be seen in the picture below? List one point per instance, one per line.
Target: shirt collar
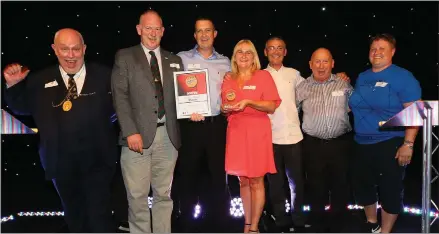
(270, 68)
(195, 52)
(313, 81)
(64, 73)
(156, 50)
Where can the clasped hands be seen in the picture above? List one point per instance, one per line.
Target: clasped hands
(239, 106)
(225, 108)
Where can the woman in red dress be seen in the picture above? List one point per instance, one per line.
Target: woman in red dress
(248, 97)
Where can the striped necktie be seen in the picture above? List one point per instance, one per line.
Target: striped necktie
(73, 91)
(158, 84)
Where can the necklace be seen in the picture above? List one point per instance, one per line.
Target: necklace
(66, 103)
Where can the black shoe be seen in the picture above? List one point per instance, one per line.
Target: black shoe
(124, 227)
(300, 229)
(373, 227)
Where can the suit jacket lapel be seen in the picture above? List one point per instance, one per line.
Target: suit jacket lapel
(61, 89)
(89, 81)
(140, 56)
(165, 62)
(53, 96)
(166, 69)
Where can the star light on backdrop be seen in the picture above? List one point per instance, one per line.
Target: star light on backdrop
(324, 9)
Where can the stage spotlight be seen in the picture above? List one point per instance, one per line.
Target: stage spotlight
(236, 209)
(287, 206)
(197, 211)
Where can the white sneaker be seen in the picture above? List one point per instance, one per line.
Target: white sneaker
(373, 227)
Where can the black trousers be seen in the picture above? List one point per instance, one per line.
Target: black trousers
(84, 187)
(288, 160)
(327, 176)
(375, 165)
(201, 161)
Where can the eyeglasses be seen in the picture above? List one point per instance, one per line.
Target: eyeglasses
(272, 48)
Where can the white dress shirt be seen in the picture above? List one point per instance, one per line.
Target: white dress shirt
(285, 122)
(79, 78)
(159, 61)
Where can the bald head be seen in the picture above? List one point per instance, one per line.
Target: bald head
(67, 32)
(321, 64)
(151, 14)
(69, 48)
(321, 51)
(150, 29)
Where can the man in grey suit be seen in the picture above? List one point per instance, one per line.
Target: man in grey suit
(150, 135)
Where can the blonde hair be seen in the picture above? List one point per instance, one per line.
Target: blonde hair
(256, 63)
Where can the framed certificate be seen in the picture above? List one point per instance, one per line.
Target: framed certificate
(192, 93)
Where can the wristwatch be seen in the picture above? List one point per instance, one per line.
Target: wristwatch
(409, 144)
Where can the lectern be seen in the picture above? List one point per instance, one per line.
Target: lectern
(425, 114)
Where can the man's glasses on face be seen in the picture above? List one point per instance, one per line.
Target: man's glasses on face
(272, 48)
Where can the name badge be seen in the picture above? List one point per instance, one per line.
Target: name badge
(251, 87)
(176, 65)
(380, 84)
(338, 93)
(193, 66)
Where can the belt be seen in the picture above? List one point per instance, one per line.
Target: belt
(329, 139)
(212, 119)
(160, 124)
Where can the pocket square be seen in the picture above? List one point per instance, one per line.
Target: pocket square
(176, 65)
(51, 84)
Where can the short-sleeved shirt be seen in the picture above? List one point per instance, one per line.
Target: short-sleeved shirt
(217, 66)
(324, 106)
(377, 97)
(260, 88)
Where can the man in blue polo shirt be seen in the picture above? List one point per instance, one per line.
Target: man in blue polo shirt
(204, 138)
(382, 154)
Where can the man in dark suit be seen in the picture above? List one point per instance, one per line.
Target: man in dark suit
(144, 99)
(71, 105)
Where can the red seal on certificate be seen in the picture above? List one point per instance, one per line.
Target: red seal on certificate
(191, 81)
(230, 95)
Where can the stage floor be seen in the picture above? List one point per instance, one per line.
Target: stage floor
(25, 190)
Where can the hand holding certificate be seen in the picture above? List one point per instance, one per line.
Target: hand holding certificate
(192, 93)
